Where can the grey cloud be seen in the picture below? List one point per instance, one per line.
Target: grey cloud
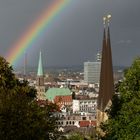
(75, 35)
(124, 41)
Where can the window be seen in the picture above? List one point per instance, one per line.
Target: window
(84, 118)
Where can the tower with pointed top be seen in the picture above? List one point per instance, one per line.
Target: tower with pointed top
(106, 89)
(40, 80)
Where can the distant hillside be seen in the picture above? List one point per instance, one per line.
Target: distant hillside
(61, 68)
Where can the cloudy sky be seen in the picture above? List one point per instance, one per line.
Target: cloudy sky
(75, 35)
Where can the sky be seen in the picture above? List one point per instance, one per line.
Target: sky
(75, 34)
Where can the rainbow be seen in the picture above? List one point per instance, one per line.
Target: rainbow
(35, 31)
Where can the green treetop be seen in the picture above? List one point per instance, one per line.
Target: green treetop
(20, 115)
(124, 116)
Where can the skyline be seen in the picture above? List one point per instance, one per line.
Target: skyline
(75, 35)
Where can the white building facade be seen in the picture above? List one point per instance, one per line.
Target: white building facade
(87, 106)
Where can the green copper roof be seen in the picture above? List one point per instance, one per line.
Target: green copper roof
(52, 92)
(40, 68)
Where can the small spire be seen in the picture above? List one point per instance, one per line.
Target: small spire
(108, 31)
(108, 18)
(104, 21)
(98, 57)
(40, 68)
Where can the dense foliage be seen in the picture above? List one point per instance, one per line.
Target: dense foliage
(76, 136)
(20, 115)
(124, 116)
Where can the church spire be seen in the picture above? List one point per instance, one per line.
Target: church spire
(110, 66)
(40, 68)
(102, 88)
(106, 89)
(40, 76)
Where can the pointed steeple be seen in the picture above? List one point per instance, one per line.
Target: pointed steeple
(40, 76)
(102, 89)
(106, 89)
(110, 66)
(40, 68)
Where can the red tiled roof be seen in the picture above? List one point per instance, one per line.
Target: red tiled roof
(62, 99)
(87, 123)
(84, 123)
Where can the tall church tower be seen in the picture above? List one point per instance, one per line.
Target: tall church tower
(40, 80)
(106, 89)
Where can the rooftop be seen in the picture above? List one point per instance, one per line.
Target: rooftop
(53, 92)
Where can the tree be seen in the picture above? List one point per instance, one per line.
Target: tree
(76, 137)
(73, 136)
(124, 116)
(7, 78)
(20, 115)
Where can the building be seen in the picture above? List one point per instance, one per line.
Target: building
(77, 120)
(106, 89)
(92, 71)
(40, 87)
(84, 105)
(63, 100)
(51, 93)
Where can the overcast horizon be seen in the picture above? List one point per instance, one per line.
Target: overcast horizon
(75, 34)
